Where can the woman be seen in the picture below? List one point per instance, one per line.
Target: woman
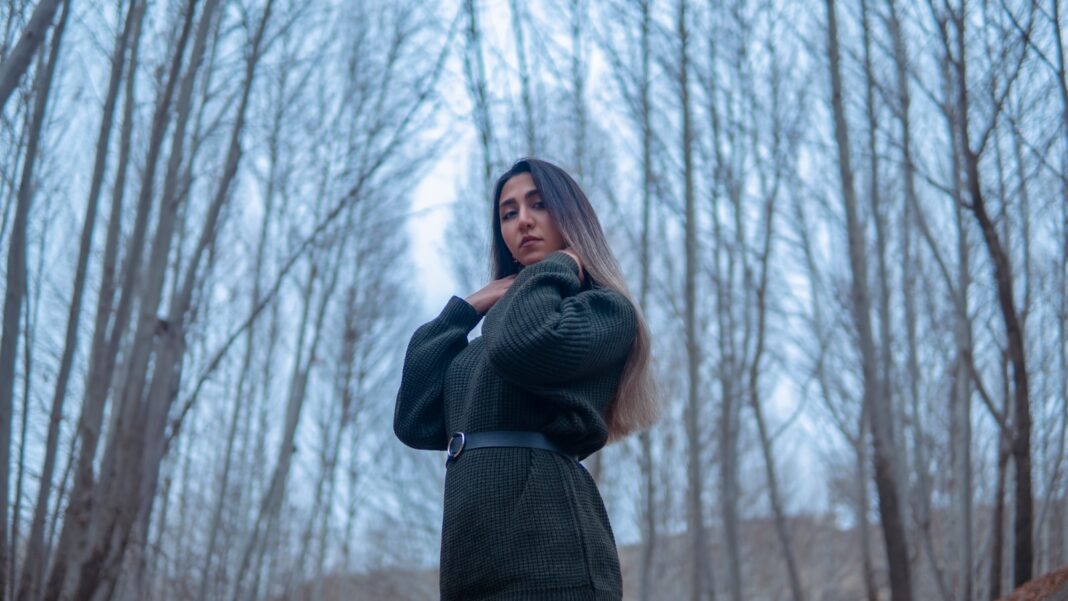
(561, 368)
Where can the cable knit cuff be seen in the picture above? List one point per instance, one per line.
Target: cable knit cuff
(461, 312)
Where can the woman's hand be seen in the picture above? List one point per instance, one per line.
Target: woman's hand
(490, 294)
(573, 255)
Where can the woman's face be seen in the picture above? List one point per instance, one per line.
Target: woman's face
(523, 216)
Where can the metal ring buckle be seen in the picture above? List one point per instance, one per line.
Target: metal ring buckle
(463, 439)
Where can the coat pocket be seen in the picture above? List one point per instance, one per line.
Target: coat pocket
(547, 541)
(509, 525)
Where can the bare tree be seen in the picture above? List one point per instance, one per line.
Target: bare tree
(271, 503)
(529, 116)
(879, 408)
(127, 469)
(953, 34)
(18, 60)
(648, 475)
(632, 72)
(700, 583)
(842, 318)
(578, 93)
(33, 567)
(837, 398)
(475, 75)
(779, 149)
(15, 286)
(242, 392)
(73, 542)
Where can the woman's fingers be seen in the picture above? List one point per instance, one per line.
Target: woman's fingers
(490, 294)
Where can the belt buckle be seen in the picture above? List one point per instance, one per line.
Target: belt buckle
(454, 454)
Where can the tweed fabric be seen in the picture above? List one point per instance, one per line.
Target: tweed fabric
(521, 523)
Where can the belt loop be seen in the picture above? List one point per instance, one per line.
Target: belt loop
(454, 454)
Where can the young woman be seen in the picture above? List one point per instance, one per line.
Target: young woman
(561, 369)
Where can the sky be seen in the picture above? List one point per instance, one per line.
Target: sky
(427, 232)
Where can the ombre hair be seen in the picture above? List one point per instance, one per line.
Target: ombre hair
(636, 405)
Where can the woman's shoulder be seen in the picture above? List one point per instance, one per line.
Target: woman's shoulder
(611, 304)
(606, 292)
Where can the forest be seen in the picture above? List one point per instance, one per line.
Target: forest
(846, 224)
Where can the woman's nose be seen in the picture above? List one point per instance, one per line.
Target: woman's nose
(526, 219)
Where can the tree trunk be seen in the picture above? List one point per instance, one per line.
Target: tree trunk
(170, 347)
(728, 480)
(334, 426)
(18, 60)
(774, 496)
(649, 517)
(246, 362)
(475, 71)
(885, 359)
(1062, 87)
(997, 548)
(125, 455)
(1062, 348)
(700, 576)
(529, 132)
(578, 87)
(880, 414)
(1023, 551)
(31, 321)
(352, 404)
(15, 285)
(73, 538)
(871, 588)
(30, 580)
(271, 503)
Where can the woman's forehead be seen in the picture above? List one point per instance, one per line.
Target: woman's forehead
(518, 187)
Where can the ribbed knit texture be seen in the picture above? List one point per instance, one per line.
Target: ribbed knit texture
(520, 523)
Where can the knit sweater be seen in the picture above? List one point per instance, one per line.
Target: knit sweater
(522, 523)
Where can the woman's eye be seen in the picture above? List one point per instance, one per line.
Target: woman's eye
(539, 204)
(507, 215)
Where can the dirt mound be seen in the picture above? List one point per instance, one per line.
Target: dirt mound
(1051, 587)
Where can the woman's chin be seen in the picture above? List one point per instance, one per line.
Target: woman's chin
(533, 256)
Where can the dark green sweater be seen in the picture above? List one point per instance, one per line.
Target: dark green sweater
(522, 523)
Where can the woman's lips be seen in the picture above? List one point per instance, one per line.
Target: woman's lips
(531, 241)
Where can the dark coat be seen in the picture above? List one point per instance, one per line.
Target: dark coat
(522, 523)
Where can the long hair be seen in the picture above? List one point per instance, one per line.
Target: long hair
(636, 404)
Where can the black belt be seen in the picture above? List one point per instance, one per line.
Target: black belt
(460, 442)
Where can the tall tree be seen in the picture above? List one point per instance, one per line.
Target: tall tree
(18, 60)
(475, 74)
(649, 506)
(529, 118)
(15, 285)
(879, 409)
(34, 564)
(73, 537)
(771, 176)
(953, 35)
(699, 573)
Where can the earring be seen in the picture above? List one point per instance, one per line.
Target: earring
(514, 260)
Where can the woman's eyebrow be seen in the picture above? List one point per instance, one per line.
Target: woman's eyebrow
(531, 192)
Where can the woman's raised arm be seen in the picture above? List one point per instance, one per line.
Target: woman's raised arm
(419, 415)
(551, 333)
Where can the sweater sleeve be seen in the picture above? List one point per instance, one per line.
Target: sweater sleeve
(552, 333)
(419, 415)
